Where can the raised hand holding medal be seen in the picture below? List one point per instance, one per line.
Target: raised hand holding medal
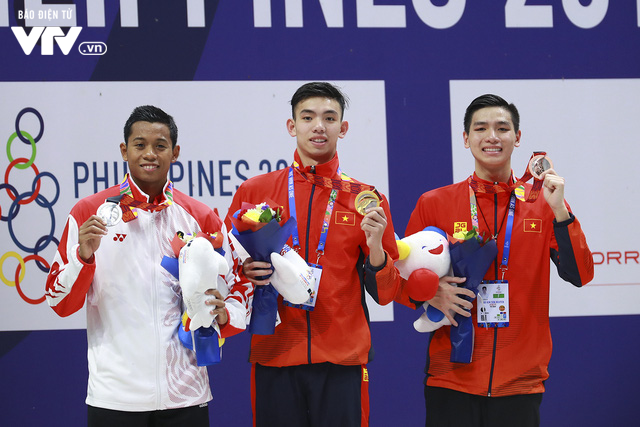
(94, 228)
(373, 224)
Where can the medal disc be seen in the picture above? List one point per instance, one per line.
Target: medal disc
(539, 164)
(365, 200)
(110, 213)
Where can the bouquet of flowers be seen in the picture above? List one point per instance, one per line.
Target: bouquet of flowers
(259, 230)
(198, 263)
(471, 257)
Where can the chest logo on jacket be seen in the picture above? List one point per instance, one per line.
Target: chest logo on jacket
(459, 227)
(533, 225)
(119, 237)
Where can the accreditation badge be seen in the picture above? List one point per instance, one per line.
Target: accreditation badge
(310, 304)
(493, 304)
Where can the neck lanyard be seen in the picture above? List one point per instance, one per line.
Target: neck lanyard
(325, 222)
(508, 232)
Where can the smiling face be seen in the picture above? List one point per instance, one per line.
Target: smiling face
(426, 249)
(491, 139)
(317, 126)
(149, 154)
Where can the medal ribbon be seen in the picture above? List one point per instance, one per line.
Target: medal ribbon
(481, 187)
(322, 182)
(344, 184)
(129, 205)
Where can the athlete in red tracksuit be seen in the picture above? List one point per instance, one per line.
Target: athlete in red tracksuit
(503, 384)
(311, 371)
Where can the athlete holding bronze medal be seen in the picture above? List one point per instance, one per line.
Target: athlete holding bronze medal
(532, 225)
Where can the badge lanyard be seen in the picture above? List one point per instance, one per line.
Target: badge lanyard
(494, 312)
(508, 232)
(325, 223)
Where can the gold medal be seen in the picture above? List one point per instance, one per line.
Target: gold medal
(538, 164)
(365, 200)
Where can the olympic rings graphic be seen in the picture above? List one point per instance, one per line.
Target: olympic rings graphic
(20, 270)
(38, 115)
(49, 236)
(44, 269)
(36, 184)
(33, 149)
(6, 179)
(20, 260)
(15, 192)
(24, 198)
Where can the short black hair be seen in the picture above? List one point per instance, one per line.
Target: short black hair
(490, 100)
(319, 90)
(151, 114)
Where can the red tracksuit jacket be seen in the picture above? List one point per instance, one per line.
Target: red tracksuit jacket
(337, 330)
(511, 360)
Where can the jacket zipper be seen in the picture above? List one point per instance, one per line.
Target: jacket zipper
(306, 257)
(495, 330)
(150, 222)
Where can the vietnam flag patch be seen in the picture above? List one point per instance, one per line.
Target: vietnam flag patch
(533, 226)
(345, 218)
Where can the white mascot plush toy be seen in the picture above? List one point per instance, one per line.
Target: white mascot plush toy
(292, 277)
(424, 258)
(199, 264)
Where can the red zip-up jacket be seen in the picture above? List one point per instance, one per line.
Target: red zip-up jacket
(337, 330)
(511, 360)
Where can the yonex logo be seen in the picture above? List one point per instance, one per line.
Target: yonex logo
(119, 237)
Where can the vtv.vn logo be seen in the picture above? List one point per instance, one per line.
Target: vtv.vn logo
(47, 35)
(47, 22)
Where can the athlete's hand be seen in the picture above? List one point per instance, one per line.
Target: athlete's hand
(373, 224)
(254, 269)
(448, 297)
(217, 303)
(553, 190)
(90, 235)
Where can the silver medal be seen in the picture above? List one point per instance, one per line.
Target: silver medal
(110, 213)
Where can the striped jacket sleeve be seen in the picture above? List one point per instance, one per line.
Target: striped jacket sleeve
(70, 277)
(570, 254)
(239, 295)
